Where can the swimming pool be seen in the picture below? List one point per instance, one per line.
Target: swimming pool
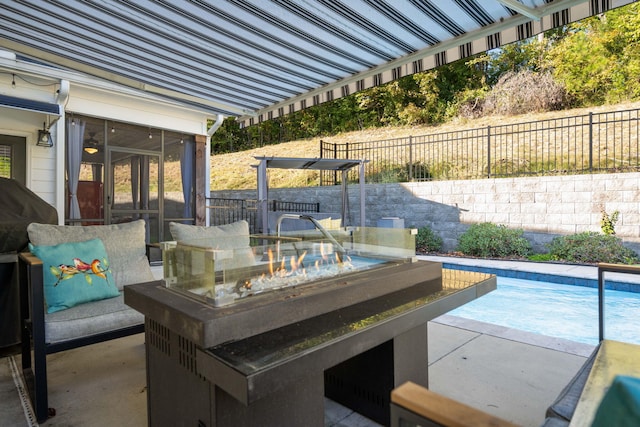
(561, 311)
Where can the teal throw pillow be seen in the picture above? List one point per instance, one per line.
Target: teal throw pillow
(75, 273)
(620, 406)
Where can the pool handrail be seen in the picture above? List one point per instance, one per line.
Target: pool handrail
(611, 268)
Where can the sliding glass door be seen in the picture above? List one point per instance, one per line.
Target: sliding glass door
(134, 188)
(118, 172)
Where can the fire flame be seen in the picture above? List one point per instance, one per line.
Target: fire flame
(295, 264)
(270, 255)
(291, 272)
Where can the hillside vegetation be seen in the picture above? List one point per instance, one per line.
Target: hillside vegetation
(233, 171)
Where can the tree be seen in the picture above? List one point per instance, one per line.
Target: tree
(599, 59)
(525, 55)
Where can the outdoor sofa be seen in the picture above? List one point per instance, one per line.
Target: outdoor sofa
(66, 305)
(98, 317)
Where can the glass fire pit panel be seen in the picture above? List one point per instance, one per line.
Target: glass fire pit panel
(223, 270)
(257, 353)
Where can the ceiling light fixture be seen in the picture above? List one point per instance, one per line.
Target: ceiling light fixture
(91, 144)
(13, 81)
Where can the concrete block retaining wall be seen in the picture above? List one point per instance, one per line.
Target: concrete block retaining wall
(544, 207)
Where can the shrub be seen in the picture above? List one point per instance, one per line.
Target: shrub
(524, 92)
(540, 257)
(493, 241)
(427, 240)
(591, 247)
(608, 223)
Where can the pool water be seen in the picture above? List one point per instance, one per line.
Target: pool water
(556, 310)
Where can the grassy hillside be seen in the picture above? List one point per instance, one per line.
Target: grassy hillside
(234, 171)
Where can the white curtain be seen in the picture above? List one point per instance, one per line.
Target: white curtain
(75, 134)
(186, 168)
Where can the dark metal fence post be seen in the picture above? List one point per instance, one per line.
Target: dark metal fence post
(322, 157)
(410, 158)
(335, 156)
(591, 142)
(489, 151)
(600, 303)
(346, 155)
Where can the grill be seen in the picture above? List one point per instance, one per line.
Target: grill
(20, 207)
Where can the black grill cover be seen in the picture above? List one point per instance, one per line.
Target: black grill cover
(19, 207)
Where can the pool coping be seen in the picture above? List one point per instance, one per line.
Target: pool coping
(563, 345)
(576, 275)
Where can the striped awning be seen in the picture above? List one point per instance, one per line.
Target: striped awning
(259, 59)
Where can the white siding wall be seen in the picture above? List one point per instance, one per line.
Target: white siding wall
(45, 166)
(41, 162)
(130, 109)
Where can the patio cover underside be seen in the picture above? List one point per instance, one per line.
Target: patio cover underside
(258, 59)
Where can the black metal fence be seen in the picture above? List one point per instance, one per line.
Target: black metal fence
(225, 211)
(594, 142)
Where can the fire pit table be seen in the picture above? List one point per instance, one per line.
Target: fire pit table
(263, 343)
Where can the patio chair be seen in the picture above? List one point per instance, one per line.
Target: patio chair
(51, 324)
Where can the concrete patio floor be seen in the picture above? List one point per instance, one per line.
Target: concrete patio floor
(509, 373)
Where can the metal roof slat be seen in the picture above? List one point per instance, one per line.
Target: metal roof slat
(403, 21)
(179, 73)
(276, 41)
(257, 63)
(296, 9)
(237, 64)
(476, 12)
(309, 38)
(432, 11)
(176, 75)
(348, 13)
